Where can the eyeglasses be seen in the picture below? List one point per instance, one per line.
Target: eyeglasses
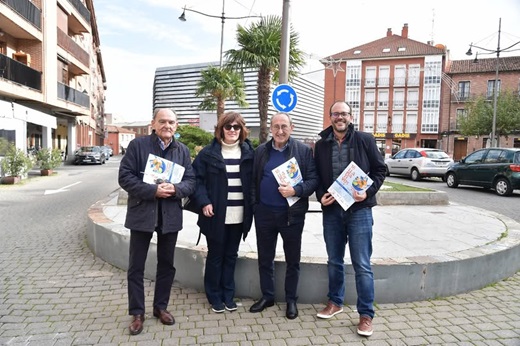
(277, 128)
(228, 127)
(337, 114)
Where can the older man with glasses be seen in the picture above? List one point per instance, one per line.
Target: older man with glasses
(274, 215)
(339, 145)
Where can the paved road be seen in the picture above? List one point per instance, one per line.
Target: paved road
(53, 291)
(471, 195)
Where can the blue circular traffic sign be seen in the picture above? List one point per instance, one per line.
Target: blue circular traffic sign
(284, 98)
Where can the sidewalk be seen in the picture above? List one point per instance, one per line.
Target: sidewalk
(58, 293)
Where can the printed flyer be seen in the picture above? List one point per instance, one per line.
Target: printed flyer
(350, 180)
(160, 168)
(288, 173)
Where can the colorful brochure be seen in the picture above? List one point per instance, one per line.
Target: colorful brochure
(288, 173)
(160, 168)
(350, 180)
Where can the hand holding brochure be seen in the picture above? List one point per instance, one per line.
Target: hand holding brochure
(160, 168)
(350, 180)
(288, 173)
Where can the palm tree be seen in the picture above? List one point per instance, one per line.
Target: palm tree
(259, 49)
(218, 85)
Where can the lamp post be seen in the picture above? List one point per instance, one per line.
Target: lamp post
(223, 18)
(495, 85)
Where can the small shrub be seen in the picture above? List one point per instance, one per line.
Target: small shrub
(15, 163)
(194, 137)
(49, 158)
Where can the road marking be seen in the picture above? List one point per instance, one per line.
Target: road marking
(63, 189)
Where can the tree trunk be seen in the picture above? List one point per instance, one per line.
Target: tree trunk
(264, 84)
(220, 107)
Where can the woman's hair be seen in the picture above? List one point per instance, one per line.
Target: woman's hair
(227, 119)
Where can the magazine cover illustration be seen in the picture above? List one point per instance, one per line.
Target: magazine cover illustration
(160, 168)
(288, 173)
(351, 179)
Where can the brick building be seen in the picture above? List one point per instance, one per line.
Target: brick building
(394, 87)
(473, 78)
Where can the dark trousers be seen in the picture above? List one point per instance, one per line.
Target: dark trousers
(268, 225)
(165, 273)
(219, 275)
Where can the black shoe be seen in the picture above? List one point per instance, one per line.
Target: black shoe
(260, 305)
(292, 310)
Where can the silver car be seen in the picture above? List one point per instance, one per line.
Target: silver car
(90, 154)
(418, 163)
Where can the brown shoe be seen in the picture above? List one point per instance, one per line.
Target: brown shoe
(330, 310)
(365, 326)
(164, 316)
(136, 326)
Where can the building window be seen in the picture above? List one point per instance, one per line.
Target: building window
(382, 99)
(382, 120)
(491, 88)
(463, 93)
(354, 76)
(432, 96)
(411, 122)
(397, 122)
(352, 97)
(398, 102)
(370, 99)
(400, 76)
(412, 99)
(384, 76)
(461, 113)
(368, 122)
(430, 122)
(370, 77)
(432, 72)
(414, 75)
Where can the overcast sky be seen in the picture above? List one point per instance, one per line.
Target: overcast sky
(138, 36)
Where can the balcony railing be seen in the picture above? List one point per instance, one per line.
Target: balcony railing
(26, 9)
(83, 11)
(67, 43)
(411, 128)
(69, 94)
(20, 73)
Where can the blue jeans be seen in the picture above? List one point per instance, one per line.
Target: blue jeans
(355, 229)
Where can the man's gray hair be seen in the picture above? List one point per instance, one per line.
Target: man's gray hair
(157, 110)
(283, 113)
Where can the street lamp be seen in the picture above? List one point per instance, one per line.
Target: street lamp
(182, 18)
(495, 85)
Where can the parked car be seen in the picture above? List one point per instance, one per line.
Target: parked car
(490, 168)
(90, 154)
(108, 151)
(418, 163)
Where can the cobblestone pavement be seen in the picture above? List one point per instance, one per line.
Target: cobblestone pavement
(53, 291)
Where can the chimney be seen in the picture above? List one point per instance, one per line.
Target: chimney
(404, 32)
(389, 32)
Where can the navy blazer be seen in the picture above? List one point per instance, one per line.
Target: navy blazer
(142, 209)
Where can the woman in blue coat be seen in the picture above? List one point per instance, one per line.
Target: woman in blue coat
(223, 172)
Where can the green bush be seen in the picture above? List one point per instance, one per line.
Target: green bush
(15, 163)
(194, 138)
(49, 158)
